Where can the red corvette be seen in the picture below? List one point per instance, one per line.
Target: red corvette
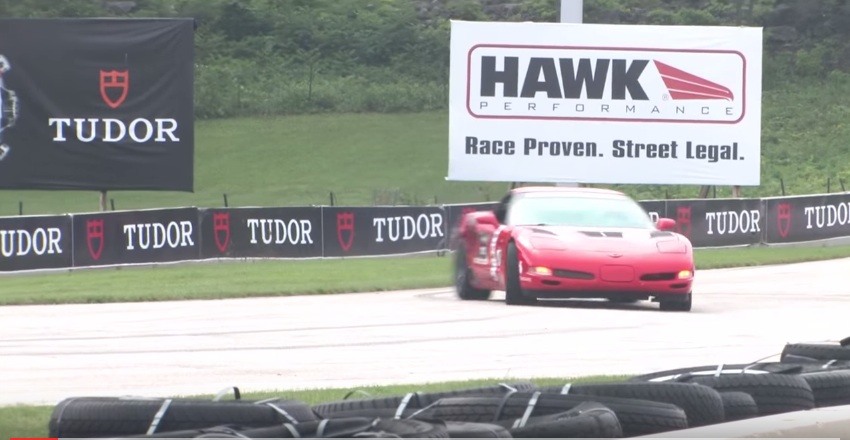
(560, 242)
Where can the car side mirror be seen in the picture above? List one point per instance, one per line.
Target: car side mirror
(665, 224)
(486, 218)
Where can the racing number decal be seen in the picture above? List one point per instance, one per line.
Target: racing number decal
(495, 254)
(496, 264)
(483, 241)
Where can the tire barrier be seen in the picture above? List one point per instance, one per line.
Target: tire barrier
(118, 238)
(809, 376)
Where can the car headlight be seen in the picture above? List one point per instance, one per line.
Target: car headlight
(672, 247)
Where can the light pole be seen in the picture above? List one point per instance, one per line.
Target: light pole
(572, 11)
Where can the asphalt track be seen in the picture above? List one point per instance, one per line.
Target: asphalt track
(48, 353)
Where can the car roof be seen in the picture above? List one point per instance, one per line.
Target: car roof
(565, 190)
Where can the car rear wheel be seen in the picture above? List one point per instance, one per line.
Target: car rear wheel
(513, 291)
(463, 283)
(674, 304)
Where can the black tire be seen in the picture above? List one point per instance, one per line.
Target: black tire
(117, 417)
(682, 374)
(831, 388)
(330, 428)
(387, 413)
(637, 417)
(351, 427)
(821, 352)
(587, 420)
(476, 430)
(463, 282)
(224, 430)
(408, 429)
(738, 405)
(673, 304)
(410, 401)
(773, 393)
(514, 295)
(701, 404)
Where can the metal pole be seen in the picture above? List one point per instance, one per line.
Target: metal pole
(572, 11)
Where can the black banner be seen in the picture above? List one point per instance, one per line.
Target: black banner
(383, 230)
(807, 218)
(35, 242)
(186, 234)
(97, 104)
(261, 233)
(126, 237)
(718, 222)
(655, 208)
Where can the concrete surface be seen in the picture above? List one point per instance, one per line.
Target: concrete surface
(48, 353)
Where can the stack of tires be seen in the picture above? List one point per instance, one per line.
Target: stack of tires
(807, 376)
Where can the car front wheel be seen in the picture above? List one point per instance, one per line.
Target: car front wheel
(513, 290)
(674, 304)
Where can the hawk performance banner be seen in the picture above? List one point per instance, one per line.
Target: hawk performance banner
(97, 104)
(613, 104)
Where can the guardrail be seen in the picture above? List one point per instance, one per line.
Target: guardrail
(194, 234)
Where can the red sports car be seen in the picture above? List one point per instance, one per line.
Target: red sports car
(562, 242)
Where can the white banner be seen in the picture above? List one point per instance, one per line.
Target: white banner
(615, 104)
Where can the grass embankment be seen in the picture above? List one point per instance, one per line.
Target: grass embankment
(305, 277)
(299, 160)
(31, 421)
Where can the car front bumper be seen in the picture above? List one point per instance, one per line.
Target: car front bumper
(592, 275)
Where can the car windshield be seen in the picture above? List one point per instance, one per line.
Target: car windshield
(579, 211)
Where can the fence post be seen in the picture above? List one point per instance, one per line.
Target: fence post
(736, 192)
(763, 234)
(103, 200)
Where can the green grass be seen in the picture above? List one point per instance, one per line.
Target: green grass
(31, 421)
(302, 277)
(295, 161)
(298, 160)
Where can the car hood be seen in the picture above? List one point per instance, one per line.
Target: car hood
(619, 240)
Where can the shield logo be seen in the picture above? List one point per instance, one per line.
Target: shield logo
(94, 237)
(114, 86)
(783, 219)
(221, 229)
(345, 229)
(683, 220)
